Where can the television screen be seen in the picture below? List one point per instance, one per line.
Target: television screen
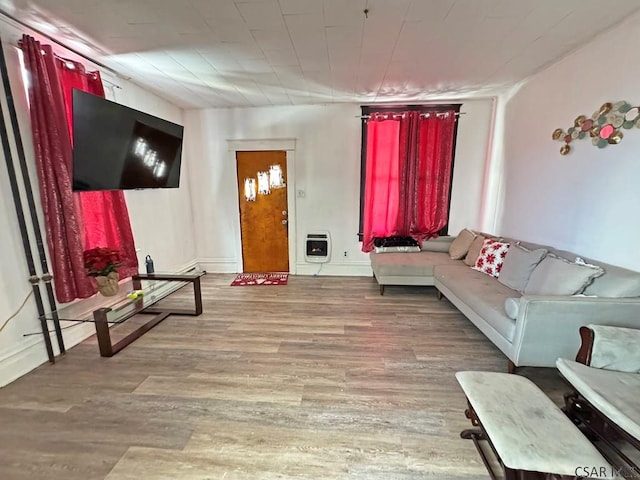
(116, 147)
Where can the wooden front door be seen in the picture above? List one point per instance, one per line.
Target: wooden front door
(263, 221)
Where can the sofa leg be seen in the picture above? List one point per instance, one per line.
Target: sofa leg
(439, 294)
(511, 367)
(381, 289)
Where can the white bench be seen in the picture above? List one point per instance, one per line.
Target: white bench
(530, 436)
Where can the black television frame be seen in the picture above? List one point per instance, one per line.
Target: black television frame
(104, 147)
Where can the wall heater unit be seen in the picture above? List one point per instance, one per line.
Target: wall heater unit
(318, 247)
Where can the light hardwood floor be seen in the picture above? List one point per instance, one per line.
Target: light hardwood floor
(320, 379)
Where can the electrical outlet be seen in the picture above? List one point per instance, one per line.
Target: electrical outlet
(346, 254)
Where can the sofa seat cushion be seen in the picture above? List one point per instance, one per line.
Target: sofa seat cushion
(481, 293)
(411, 264)
(615, 394)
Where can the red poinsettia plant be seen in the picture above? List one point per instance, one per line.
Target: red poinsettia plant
(101, 261)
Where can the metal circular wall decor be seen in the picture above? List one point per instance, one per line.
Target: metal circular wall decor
(604, 127)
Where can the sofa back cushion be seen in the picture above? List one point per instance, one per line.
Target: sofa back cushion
(474, 251)
(616, 282)
(460, 246)
(558, 276)
(518, 266)
(437, 244)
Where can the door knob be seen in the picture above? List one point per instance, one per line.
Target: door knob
(285, 221)
(284, 212)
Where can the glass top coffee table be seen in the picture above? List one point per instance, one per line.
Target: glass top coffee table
(153, 287)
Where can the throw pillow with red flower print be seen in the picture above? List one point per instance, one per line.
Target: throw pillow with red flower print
(491, 257)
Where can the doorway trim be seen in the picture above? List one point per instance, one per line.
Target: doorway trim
(289, 146)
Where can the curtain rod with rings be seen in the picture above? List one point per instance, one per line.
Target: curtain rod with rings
(57, 42)
(401, 115)
(72, 66)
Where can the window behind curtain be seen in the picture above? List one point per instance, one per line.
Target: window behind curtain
(406, 170)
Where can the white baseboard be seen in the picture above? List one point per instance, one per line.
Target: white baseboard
(218, 265)
(16, 363)
(188, 266)
(350, 269)
(345, 269)
(33, 353)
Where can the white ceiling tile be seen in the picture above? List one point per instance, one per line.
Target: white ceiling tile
(241, 51)
(292, 79)
(261, 15)
(304, 22)
(256, 66)
(471, 8)
(222, 62)
(339, 37)
(319, 82)
(194, 62)
(344, 58)
(281, 58)
(299, 99)
(272, 39)
(314, 64)
(342, 13)
(301, 6)
(218, 11)
(269, 79)
(432, 11)
(383, 13)
(232, 32)
(511, 9)
(315, 50)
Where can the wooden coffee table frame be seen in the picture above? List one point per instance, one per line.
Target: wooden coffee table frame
(109, 349)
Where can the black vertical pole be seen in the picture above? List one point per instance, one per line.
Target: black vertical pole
(46, 276)
(33, 279)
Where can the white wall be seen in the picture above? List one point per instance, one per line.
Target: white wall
(587, 201)
(161, 221)
(327, 168)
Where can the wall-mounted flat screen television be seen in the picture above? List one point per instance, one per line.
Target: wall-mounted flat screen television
(117, 148)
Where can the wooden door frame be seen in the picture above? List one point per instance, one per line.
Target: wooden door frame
(289, 146)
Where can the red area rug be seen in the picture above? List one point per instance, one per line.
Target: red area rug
(256, 279)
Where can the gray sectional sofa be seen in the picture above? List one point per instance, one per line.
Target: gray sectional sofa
(538, 328)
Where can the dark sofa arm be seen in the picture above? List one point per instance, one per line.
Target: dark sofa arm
(584, 354)
(610, 348)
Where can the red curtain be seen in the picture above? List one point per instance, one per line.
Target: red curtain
(408, 172)
(383, 179)
(433, 170)
(68, 225)
(409, 125)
